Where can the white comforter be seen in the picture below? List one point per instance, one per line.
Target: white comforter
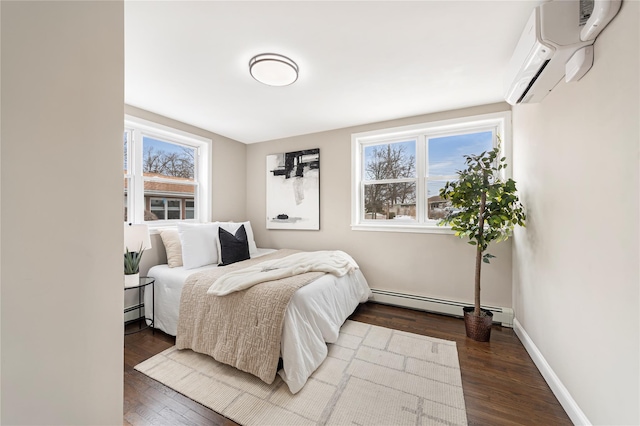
(334, 262)
(313, 318)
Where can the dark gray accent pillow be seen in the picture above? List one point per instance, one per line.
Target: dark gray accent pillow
(234, 248)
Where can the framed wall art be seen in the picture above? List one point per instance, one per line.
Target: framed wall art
(293, 190)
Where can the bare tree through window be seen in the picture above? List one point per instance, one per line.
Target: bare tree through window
(177, 163)
(391, 169)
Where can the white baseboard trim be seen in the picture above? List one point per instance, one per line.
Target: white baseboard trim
(564, 397)
(503, 316)
(128, 316)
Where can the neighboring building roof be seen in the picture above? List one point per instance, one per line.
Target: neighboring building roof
(165, 188)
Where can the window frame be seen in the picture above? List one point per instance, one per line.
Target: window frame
(499, 122)
(139, 128)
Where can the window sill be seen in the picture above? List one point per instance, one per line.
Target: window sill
(155, 230)
(417, 229)
(156, 226)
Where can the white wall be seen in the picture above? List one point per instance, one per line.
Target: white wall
(61, 243)
(433, 265)
(576, 278)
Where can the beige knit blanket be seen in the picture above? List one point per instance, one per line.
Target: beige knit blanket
(244, 328)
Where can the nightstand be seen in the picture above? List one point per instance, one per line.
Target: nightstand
(142, 287)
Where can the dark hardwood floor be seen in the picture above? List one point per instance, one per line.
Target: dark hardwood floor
(501, 384)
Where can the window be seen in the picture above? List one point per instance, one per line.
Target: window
(398, 173)
(390, 180)
(166, 209)
(189, 209)
(166, 174)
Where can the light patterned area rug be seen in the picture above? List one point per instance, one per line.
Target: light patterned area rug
(372, 376)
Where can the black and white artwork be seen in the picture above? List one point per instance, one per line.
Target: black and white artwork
(293, 190)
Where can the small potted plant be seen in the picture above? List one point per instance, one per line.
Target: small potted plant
(484, 208)
(132, 267)
(134, 235)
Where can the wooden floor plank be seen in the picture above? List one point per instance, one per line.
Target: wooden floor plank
(501, 384)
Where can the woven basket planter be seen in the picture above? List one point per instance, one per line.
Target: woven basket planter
(478, 328)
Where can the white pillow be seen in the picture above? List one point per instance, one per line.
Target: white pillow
(199, 244)
(232, 227)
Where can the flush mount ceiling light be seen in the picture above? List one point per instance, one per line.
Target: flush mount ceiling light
(273, 69)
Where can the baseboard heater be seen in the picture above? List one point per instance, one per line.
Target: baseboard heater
(503, 316)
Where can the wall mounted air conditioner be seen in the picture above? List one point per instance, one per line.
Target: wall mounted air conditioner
(557, 41)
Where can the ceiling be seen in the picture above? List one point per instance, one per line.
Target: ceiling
(360, 62)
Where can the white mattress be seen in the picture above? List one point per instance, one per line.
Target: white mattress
(312, 319)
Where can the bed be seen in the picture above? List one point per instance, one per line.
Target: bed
(312, 318)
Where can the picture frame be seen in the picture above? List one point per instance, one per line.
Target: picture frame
(293, 190)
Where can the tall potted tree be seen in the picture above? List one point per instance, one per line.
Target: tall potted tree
(484, 208)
